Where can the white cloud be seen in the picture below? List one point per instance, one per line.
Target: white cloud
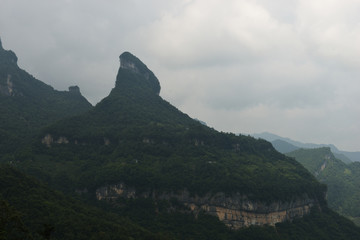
(208, 33)
(331, 30)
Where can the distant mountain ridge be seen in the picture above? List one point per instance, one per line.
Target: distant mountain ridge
(345, 156)
(343, 180)
(283, 146)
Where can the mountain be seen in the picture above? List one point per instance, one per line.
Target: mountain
(150, 145)
(341, 156)
(271, 137)
(343, 180)
(133, 139)
(27, 104)
(138, 157)
(283, 146)
(346, 157)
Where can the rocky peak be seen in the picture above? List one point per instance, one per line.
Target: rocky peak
(74, 90)
(129, 62)
(7, 55)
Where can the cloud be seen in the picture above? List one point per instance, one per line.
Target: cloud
(264, 71)
(75, 42)
(249, 56)
(207, 33)
(331, 29)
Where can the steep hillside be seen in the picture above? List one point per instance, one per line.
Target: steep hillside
(343, 180)
(30, 210)
(27, 104)
(283, 146)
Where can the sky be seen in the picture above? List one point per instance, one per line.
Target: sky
(289, 67)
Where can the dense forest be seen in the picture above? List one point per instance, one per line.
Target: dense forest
(343, 180)
(31, 210)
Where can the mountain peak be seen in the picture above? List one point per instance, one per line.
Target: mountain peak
(130, 63)
(7, 55)
(74, 90)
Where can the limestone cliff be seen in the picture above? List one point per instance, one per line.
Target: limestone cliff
(129, 62)
(235, 211)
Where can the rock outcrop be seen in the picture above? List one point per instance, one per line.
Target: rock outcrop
(74, 90)
(48, 140)
(129, 62)
(235, 211)
(7, 55)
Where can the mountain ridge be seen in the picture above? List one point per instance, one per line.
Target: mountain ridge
(27, 104)
(345, 156)
(342, 179)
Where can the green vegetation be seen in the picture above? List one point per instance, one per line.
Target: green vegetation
(136, 137)
(27, 104)
(343, 180)
(30, 210)
(11, 224)
(33, 210)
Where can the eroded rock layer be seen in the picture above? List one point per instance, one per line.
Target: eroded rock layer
(235, 211)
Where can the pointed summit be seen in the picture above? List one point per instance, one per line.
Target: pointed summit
(7, 55)
(134, 73)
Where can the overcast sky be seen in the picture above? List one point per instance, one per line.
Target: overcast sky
(244, 66)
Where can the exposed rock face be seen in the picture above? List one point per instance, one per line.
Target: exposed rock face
(48, 140)
(115, 191)
(236, 216)
(7, 55)
(127, 64)
(133, 64)
(235, 211)
(74, 90)
(7, 88)
(9, 85)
